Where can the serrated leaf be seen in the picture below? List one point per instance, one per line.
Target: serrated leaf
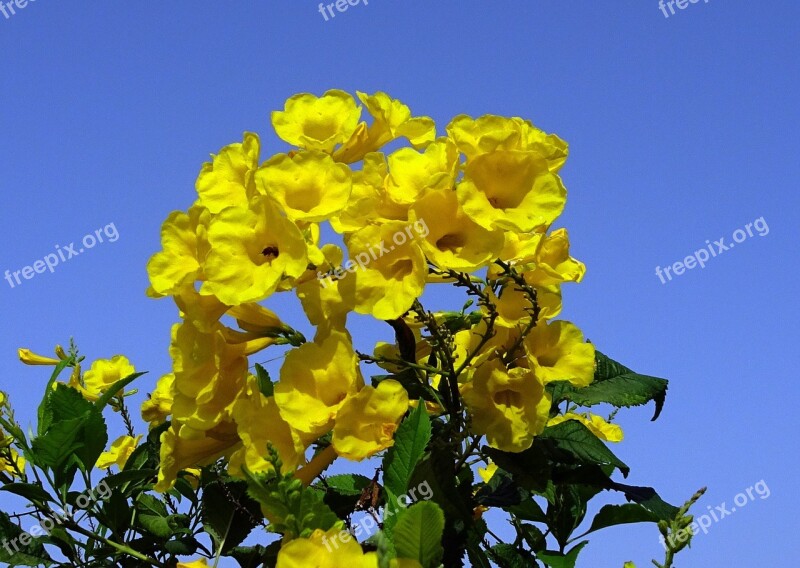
(410, 441)
(58, 443)
(617, 385)
(228, 513)
(418, 534)
(265, 384)
(576, 439)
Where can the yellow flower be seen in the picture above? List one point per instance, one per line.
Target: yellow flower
(510, 407)
(315, 380)
(118, 454)
(309, 185)
(194, 564)
(557, 352)
(158, 406)
(552, 262)
(454, 241)
(317, 123)
(102, 375)
(369, 202)
(391, 119)
(30, 358)
(177, 266)
(487, 472)
(411, 173)
(335, 548)
(511, 190)
(203, 311)
(599, 427)
(365, 424)
(259, 423)
(327, 300)
(490, 133)
(183, 447)
(11, 462)
(209, 375)
(513, 304)
(389, 266)
(228, 180)
(251, 251)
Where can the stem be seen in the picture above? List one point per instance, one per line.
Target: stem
(121, 547)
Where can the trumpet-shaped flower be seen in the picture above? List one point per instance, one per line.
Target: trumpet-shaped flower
(30, 358)
(209, 375)
(251, 251)
(183, 447)
(490, 133)
(121, 449)
(511, 190)
(228, 179)
(315, 380)
(366, 422)
(259, 424)
(391, 271)
(454, 240)
(557, 351)
(510, 407)
(369, 202)
(317, 123)
(411, 173)
(158, 406)
(101, 376)
(184, 246)
(308, 185)
(391, 119)
(332, 549)
(552, 262)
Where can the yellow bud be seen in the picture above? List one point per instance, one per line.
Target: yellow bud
(60, 352)
(30, 358)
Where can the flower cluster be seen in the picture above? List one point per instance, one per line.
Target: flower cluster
(487, 193)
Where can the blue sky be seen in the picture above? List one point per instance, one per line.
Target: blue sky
(682, 129)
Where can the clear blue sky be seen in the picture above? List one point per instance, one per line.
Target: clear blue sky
(682, 130)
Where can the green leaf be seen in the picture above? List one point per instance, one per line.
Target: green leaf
(576, 439)
(14, 553)
(31, 491)
(94, 437)
(265, 384)
(612, 515)
(115, 388)
(558, 560)
(509, 556)
(342, 492)
(131, 479)
(58, 443)
(614, 384)
(418, 534)
(410, 441)
(44, 414)
(228, 514)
